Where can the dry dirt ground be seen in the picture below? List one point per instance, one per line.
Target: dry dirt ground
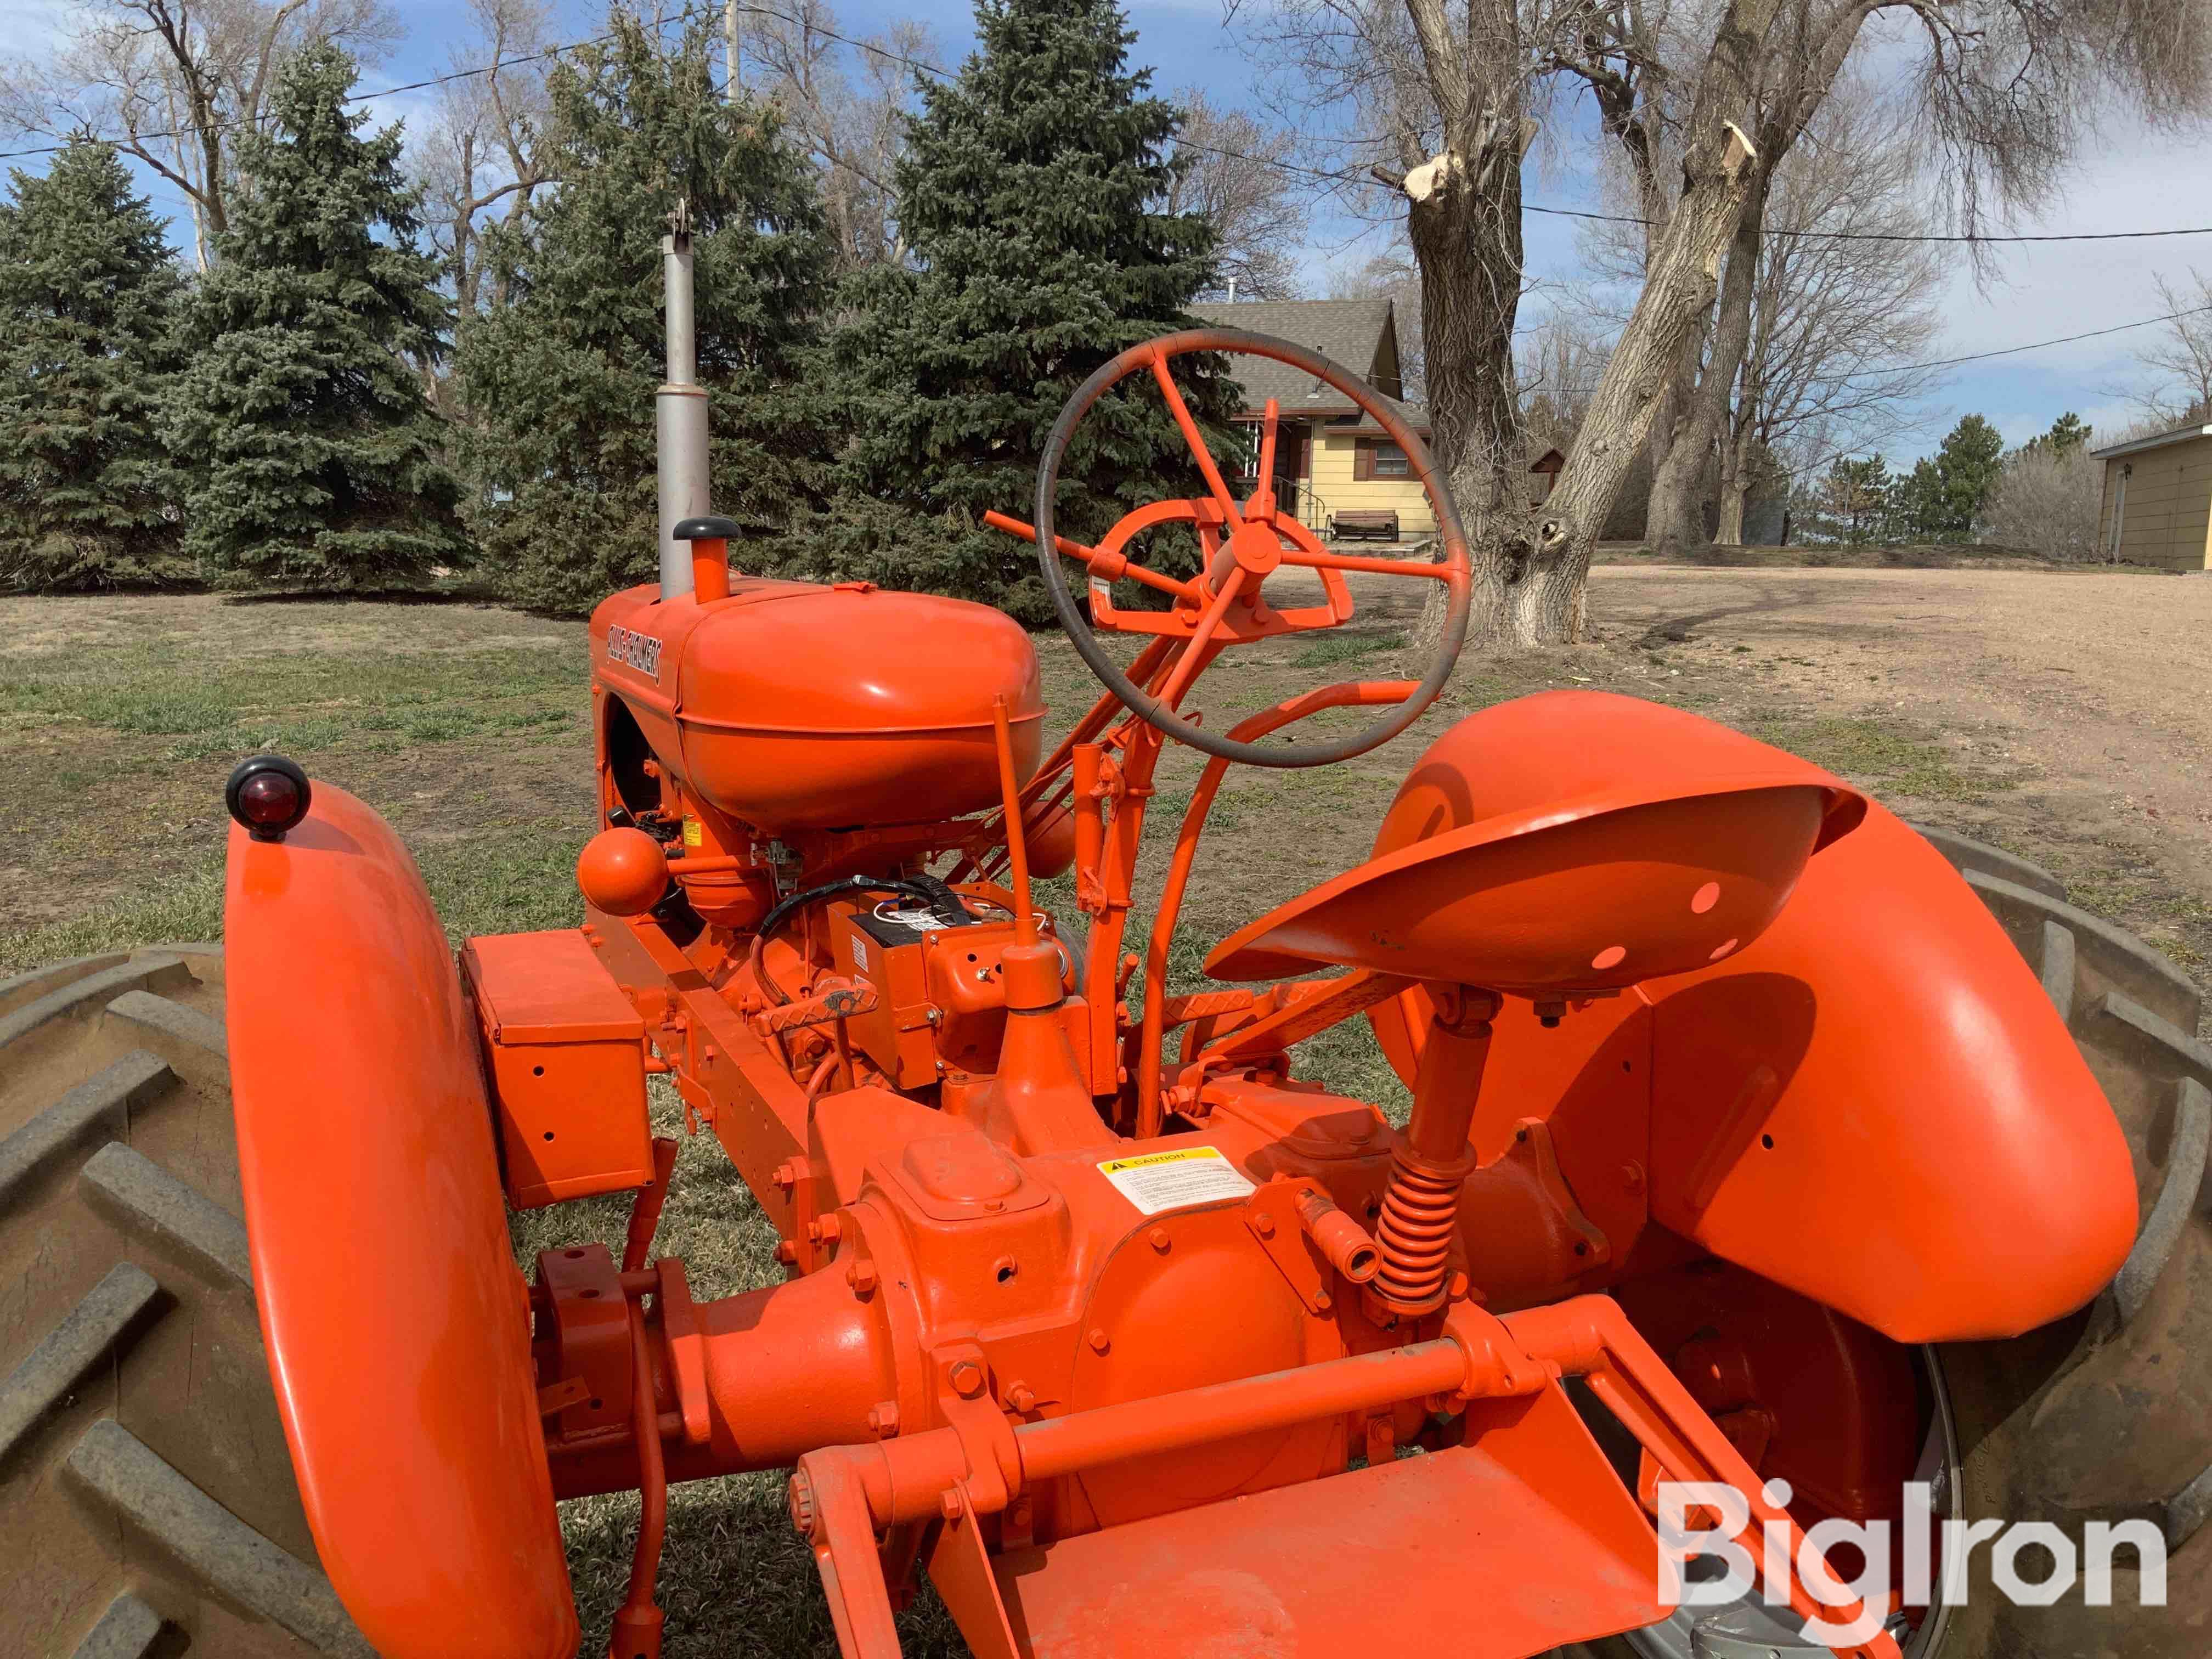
(2076, 707)
(2066, 716)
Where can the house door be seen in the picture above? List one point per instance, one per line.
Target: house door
(1293, 467)
(2119, 513)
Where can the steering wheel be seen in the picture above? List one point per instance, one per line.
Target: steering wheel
(1242, 543)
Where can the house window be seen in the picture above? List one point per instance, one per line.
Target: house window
(1378, 457)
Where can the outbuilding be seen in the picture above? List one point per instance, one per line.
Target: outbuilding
(2157, 505)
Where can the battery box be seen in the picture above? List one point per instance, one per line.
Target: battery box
(889, 947)
(565, 1054)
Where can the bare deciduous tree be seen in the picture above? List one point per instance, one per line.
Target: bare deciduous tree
(1830, 304)
(175, 83)
(1392, 276)
(1557, 367)
(1235, 180)
(483, 146)
(846, 107)
(2179, 359)
(1452, 93)
(2049, 500)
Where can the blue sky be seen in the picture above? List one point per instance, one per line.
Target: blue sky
(2126, 178)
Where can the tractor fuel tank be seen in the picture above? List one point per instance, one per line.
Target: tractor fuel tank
(797, 706)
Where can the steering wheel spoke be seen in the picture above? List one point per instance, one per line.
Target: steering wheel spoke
(1260, 504)
(1193, 651)
(1217, 485)
(1241, 544)
(1321, 559)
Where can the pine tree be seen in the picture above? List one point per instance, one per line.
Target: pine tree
(1027, 194)
(1855, 497)
(316, 460)
(558, 384)
(1917, 512)
(2069, 433)
(1968, 465)
(88, 294)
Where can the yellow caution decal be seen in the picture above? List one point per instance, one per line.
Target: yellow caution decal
(1176, 1180)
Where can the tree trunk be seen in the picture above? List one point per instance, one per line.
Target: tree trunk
(1672, 518)
(1683, 279)
(1677, 517)
(1464, 221)
(1730, 531)
(1668, 418)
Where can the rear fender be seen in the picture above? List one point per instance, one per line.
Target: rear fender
(394, 1312)
(1876, 1104)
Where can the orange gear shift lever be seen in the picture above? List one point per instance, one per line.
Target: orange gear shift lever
(1431, 1161)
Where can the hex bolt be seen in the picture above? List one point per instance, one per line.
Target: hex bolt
(1159, 1239)
(1264, 1224)
(824, 1230)
(861, 1276)
(786, 1176)
(1098, 1340)
(966, 1378)
(883, 1419)
(1021, 1398)
(786, 1253)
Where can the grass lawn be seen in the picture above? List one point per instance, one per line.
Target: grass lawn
(120, 717)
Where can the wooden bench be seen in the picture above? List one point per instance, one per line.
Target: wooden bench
(1364, 524)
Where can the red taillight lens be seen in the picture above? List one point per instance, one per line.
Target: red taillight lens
(269, 795)
(269, 800)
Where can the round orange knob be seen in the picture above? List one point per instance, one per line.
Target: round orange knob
(622, 872)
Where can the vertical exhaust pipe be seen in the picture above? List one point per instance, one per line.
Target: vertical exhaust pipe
(680, 411)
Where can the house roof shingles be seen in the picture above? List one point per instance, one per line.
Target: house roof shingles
(1345, 332)
(1348, 331)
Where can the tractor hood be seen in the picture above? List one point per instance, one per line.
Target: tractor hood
(795, 706)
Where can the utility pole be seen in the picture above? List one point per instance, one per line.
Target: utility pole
(730, 56)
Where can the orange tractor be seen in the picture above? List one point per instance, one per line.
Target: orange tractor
(1742, 1140)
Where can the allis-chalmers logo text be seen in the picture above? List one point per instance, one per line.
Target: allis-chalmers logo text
(639, 651)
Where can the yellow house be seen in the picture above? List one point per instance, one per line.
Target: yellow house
(1345, 477)
(2157, 506)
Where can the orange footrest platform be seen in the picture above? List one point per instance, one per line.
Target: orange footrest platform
(1509, 1547)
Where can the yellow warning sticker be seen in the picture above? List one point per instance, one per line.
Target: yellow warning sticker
(693, 835)
(1154, 1181)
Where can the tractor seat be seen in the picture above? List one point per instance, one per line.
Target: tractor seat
(1681, 855)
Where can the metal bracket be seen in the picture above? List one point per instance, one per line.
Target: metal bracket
(1532, 1145)
(687, 1349)
(1272, 1213)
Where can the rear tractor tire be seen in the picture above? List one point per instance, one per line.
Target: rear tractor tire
(146, 1501)
(2106, 1415)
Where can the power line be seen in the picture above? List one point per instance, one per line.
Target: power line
(2038, 345)
(1974, 239)
(1327, 175)
(1355, 175)
(1973, 357)
(235, 122)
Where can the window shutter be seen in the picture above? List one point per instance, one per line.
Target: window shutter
(1363, 461)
